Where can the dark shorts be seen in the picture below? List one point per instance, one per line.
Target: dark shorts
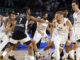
(18, 35)
(78, 40)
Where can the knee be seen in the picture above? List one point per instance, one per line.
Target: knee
(33, 41)
(68, 43)
(30, 46)
(51, 46)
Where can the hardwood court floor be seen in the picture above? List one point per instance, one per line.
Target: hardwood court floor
(20, 55)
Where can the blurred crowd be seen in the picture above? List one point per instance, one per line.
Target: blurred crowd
(37, 5)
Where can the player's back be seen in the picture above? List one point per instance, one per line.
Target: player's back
(20, 23)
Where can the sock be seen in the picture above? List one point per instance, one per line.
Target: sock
(71, 53)
(4, 53)
(78, 54)
(31, 57)
(42, 50)
(65, 55)
(37, 53)
(11, 53)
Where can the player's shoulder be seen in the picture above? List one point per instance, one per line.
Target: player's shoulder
(66, 19)
(74, 13)
(47, 21)
(22, 15)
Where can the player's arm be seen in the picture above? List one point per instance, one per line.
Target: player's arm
(8, 28)
(6, 22)
(1, 19)
(13, 25)
(51, 28)
(48, 28)
(70, 28)
(38, 20)
(69, 24)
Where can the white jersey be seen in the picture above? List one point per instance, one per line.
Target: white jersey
(2, 26)
(76, 17)
(43, 27)
(38, 36)
(76, 27)
(61, 29)
(60, 32)
(4, 18)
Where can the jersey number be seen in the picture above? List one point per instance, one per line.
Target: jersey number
(20, 20)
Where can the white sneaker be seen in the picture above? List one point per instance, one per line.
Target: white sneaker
(53, 55)
(37, 54)
(26, 57)
(65, 57)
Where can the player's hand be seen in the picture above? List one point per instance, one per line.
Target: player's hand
(63, 30)
(48, 23)
(39, 17)
(78, 23)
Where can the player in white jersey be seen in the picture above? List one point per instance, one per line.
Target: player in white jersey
(3, 36)
(76, 29)
(60, 32)
(68, 45)
(41, 30)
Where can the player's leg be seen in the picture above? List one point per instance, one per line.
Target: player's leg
(67, 49)
(78, 50)
(34, 46)
(49, 46)
(30, 50)
(57, 46)
(31, 46)
(35, 40)
(10, 49)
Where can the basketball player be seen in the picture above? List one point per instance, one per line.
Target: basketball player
(60, 32)
(11, 21)
(3, 36)
(41, 30)
(67, 46)
(76, 28)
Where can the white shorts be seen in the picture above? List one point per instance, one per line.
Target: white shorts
(13, 41)
(3, 40)
(61, 39)
(37, 37)
(75, 33)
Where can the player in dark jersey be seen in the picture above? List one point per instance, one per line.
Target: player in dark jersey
(19, 34)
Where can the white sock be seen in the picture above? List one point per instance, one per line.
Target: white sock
(11, 53)
(65, 55)
(37, 53)
(4, 53)
(71, 53)
(78, 54)
(42, 50)
(31, 57)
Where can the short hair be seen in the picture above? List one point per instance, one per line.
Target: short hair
(60, 12)
(76, 2)
(25, 9)
(11, 12)
(44, 13)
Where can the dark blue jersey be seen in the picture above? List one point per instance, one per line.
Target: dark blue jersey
(20, 23)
